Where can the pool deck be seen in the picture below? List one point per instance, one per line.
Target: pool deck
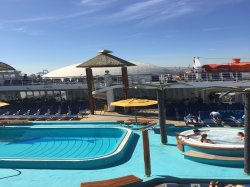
(114, 116)
(167, 165)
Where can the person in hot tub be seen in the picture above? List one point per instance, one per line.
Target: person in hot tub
(241, 135)
(204, 139)
(195, 132)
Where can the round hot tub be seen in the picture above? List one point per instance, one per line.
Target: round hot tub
(226, 142)
(227, 148)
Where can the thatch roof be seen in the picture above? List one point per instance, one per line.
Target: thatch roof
(5, 67)
(105, 60)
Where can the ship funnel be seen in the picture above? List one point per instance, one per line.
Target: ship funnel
(197, 63)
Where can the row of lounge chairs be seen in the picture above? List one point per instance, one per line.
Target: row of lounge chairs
(44, 117)
(43, 113)
(177, 111)
(228, 117)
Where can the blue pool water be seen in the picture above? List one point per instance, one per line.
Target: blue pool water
(167, 165)
(58, 143)
(33, 146)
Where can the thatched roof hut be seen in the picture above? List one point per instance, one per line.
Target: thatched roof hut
(104, 59)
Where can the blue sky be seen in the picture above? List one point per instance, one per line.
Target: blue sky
(49, 34)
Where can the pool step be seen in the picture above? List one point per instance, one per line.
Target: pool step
(211, 157)
(214, 159)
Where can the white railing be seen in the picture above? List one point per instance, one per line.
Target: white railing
(224, 76)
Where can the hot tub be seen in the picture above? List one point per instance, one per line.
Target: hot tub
(227, 150)
(226, 142)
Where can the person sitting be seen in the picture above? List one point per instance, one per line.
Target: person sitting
(241, 135)
(195, 132)
(105, 109)
(204, 139)
(219, 184)
(190, 118)
(216, 116)
(212, 184)
(216, 184)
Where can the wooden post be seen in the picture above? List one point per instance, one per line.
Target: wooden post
(146, 152)
(89, 75)
(162, 115)
(247, 135)
(125, 82)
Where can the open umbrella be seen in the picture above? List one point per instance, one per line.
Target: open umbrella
(134, 102)
(3, 104)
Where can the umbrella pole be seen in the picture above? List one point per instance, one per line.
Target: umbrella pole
(135, 116)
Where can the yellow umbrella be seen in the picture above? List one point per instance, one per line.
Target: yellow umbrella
(3, 104)
(134, 103)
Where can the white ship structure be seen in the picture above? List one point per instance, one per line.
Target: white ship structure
(69, 83)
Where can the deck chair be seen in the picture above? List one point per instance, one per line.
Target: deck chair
(239, 116)
(188, 119)
(206, 120)
(228, 118)
(120, 181)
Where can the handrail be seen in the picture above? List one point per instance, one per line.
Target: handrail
(217, 76)
(148, 127)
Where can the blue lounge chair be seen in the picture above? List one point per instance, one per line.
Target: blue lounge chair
(191, 119)
(227, 118)
(205, 119)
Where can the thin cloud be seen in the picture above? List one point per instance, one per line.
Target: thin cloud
(143, 12)
(213, 29)
(50, 18)
(137, 10)
(152, 11)
(96, 2)
(22, 30)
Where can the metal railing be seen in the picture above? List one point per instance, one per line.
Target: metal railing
(223, 76)
(115, 79)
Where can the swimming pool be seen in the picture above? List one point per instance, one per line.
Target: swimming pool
(62, 147)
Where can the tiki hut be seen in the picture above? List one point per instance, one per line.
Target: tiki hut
(104, 59)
